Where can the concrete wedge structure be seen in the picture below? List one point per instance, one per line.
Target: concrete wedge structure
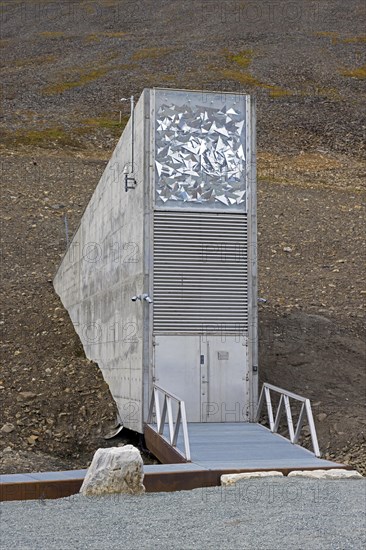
(159, 279)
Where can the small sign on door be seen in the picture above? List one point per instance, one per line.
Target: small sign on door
(223, 355)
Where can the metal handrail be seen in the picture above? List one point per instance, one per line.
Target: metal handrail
(173, 424)
(274, 422)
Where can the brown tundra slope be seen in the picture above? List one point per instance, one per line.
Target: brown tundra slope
(64, 69)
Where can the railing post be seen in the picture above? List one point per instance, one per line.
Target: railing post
(260, 405)
(289, 418)
(151, 409)
(278, 414)
(269, 407)
(157, 407)
(185, 431)
(177, 426)
(170, 418)
(163, 415)
(314, 438)
(299, 423)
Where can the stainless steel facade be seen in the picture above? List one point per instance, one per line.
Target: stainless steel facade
(203, 230)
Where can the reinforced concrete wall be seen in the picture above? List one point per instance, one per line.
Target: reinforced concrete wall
(103, 268)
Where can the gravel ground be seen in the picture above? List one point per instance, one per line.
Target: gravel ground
(266, 514)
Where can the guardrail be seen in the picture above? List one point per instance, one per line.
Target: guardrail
(274, 422)
(174, 424)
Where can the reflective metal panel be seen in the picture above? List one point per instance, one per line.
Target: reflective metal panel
(199, 149)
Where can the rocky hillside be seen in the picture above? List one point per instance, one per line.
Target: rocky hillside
(65, 67)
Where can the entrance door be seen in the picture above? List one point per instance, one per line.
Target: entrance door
(209, 373)
(177, 370)
(224, 387)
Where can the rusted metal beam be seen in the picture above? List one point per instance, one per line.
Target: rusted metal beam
(39, 490)
(154, 482)
(161, 448)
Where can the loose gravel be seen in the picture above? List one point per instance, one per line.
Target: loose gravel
(261, 514)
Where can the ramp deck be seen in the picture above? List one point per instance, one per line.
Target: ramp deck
(243, 446)
(216, 449)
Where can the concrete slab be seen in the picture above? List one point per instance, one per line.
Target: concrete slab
(15, 478)
(231, 479)
(327, 474)
(159, 468)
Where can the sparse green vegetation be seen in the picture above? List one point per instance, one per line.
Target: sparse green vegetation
(243, 78)
(49, 137)
(85, 77)
(52, 34)
(167, 77)
(243, 58)
(330, 93)
(358, 72)
(336, 39)
(43, 138)
(151, 53)
(354, 40)
(108, 123)
(114, 34)
(40, 60)
(108, 56)
(103, 122)
(97, 36)
(249, 80)
(92, 38)
(328, 34)
(276, 91)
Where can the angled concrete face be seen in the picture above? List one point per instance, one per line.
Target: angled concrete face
(103, 268)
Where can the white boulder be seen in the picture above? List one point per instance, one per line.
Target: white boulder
(114, 470)
(333, 473)
(230, 479)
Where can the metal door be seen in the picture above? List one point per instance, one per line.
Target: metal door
(208, 372)
(224, 380)
(177, 370)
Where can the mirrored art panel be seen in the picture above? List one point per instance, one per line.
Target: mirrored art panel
(200, 150)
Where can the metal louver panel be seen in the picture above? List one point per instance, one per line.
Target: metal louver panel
(200, 272)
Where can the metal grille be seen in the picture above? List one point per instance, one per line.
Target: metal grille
(200, 272)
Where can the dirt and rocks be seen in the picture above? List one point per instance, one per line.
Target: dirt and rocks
(63, 74)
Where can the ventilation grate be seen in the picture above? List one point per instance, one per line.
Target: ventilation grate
(200, 272)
